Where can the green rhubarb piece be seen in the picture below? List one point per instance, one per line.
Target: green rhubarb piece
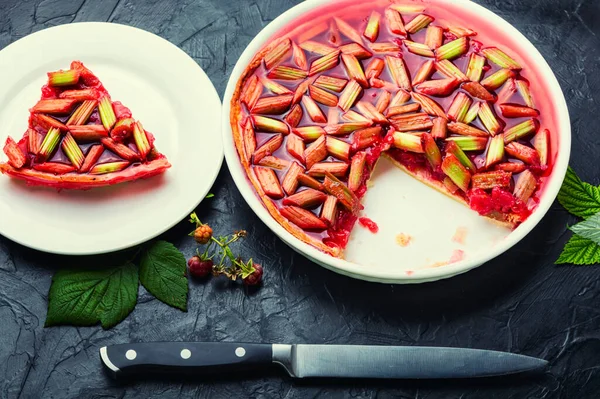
(49, 144)
(456, 172)
(72, 151)
(141, 139)
(110, 167)
(107, 114)
(453, 49)
(63, 78)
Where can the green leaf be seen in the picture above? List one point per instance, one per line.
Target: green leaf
(580, 198)
(86, 297)
(163, 273)
(210, 195)
(589, 228)
(579, 251)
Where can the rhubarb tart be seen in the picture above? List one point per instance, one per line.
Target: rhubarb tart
(79, 138)
(329, 95)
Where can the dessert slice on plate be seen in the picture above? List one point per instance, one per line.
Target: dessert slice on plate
(319, 105)
(78, 138)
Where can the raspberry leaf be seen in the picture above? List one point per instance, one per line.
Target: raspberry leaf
(86, 297)
(589, 229)
(163, 274)
(578, 197)
(579, 251)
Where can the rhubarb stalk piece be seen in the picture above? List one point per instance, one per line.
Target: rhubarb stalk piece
(459, 107)
(107, 113)
(302, 218)
(372, 28)
(475, 67)
(541, 142)
(495, 151)
(424, 72)
(324, 63)
(489, 119)
(313, 110)
(476, 90)
(294, 117)
(269, 125)
(469, 143)
(320, 169)
(458, 153)
(49, 144)
(269, 182)
(91, 158)
(72, 151)
(521, 130)
(54, 106)
(407, 142)
(307, 199)
(110, 167)
(345, 196)
(357, 169)
(419, 22)
(394, 22)
(316, 152)
(523, 89)
(525, 186)
(273, 105)
(121, 149)
(63, 78)
(428, 105)
(398, 71)
(456, 172)
(411, 122)
(434, 36)
(489, 180)
(453, 49)
(500, 58)
(268, 148)
(522, 153)
(295, 147)
(446, 67)
(329, 210)
(432, 151)
(15, 156)
(141, 140)
(438, 87)
(331, 83)
(350, 94)
(83, 113)
(419, 48)
(278, 53)
(290, 180)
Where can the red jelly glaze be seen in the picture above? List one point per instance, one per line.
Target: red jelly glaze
(369, 224)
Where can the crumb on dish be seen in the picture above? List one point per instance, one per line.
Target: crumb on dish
(457, 256)
(460, 235)
(403, 239)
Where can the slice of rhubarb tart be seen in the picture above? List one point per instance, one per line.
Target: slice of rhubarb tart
(78, 138)
(323, 101)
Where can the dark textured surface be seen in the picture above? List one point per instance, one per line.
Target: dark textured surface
(519, 302)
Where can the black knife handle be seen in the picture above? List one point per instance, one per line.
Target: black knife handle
(194, 357)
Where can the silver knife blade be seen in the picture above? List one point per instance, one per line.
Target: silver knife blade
(360, 361)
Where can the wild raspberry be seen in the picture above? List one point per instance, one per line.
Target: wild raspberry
(203, 234)
(256, 277)
(200, 268)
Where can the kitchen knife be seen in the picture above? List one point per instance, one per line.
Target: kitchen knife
(301, 361)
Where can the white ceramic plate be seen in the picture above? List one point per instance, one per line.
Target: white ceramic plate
(163, 87)
(398, 203)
